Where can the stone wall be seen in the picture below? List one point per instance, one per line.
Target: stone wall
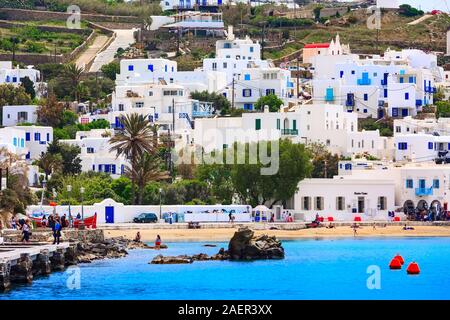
(33, 59)
(8, 25)
(46, 235)
(36, 15)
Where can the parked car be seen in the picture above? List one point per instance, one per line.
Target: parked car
(146, 218)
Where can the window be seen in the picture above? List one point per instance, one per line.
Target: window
(340, 203)
(306, 203)
(224, 65)
(385, 93)
(139, 105)
(48, 137)
(402, 146)
(15, 142)
(246, 77)
(251, 49)
(90, 150)
(366, 97)
(318, 203)
(398, 129)
(214, 66)
(430, 145)
(270, 91)
(150, 67)
(353, 72)
(165, 68)
(27, 136)
(246, 92)
(248, 106)
(436, 183)
(121, 107)
(150, 93)
(130, 67)
(382, 203)
(257, 124)
(278, 124)
(406, 96)
(409, 184)
(37, 136)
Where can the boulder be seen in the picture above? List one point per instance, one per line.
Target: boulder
(246, 246)
(182, 259)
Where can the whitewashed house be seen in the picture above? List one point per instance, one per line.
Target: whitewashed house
(37, 139)
(95, 152)
(11, 75)
(13, 140)
(13, 115)
(197, 22)
(190, 4)
(398, 84)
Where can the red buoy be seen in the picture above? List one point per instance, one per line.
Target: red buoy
(395, 264)
(399, 258)
(413, 268)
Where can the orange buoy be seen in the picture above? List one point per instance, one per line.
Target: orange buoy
(400, 258)
(413, 268)
(395, 264)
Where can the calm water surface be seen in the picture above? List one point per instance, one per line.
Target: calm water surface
(313, 269)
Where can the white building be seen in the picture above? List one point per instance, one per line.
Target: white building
(372, 191)
(13, 115)
(189, 4)
(326, 124)
(197, 22)
(233, 55)
(95, 152)
(11, 75)
(330, 50)
(37, 139)
(397, 84)
(13, 140)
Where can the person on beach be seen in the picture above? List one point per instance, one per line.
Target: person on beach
(158, 242)
(26, 232)
(56, 231)
(51, 222)
(44, 221)
(137, 238)
(374, 227)
(13, 223)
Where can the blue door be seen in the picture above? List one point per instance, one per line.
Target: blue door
(404, 112)
(422, 183)
(109, 214)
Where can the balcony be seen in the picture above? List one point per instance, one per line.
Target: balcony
(289, 132)
(420, 192)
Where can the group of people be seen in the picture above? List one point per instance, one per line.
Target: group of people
(56, 223)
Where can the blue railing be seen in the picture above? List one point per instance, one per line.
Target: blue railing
(201, 114)
(424, 191)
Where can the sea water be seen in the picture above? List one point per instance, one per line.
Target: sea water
(312, 269)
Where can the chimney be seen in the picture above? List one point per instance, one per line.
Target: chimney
(230, 33)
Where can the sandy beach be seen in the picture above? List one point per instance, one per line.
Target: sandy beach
(224, 234)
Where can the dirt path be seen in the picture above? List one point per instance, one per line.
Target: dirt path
(421, 19)
(91, 51)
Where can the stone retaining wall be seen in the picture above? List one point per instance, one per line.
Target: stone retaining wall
(46, 235)
(33, 15)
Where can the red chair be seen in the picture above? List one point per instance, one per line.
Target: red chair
(330, 219)
(397, 219)
(357, 219)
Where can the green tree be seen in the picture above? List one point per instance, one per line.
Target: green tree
(270, 100)
(147, 168)
(12, 95)
(443, 109)
(111, 69)
(73, 73)
(218, 178)
(50, 112)
(50, 163)
(317, 11)
(325, 164)
(220, 103)
(28, 86)
(137, 138)
(71, 161)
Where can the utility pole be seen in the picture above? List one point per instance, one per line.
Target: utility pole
(298, 76)
(173, 118)
(232, 94)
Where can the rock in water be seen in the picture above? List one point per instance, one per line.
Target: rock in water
(246, 246)
(160, 259)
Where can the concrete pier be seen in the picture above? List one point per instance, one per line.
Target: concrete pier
(20, 262)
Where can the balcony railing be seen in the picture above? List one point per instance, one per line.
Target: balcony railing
(289, 132)
(424, 191)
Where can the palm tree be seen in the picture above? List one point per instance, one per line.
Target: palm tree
(74, 73)
(136, 139)
(50, 163)
(148, 168)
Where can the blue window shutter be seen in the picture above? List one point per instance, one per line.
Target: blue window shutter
(406, 95)
(93, 167)
(247, 77)
(130, 67)
(430, 145)
(150, 67)
(341, 74)
(366, 97)
(401, 80)
(48, 136)
(165, 68)
(385, 93)
(27, 136)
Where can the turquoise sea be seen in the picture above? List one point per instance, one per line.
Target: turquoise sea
(312, 269)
